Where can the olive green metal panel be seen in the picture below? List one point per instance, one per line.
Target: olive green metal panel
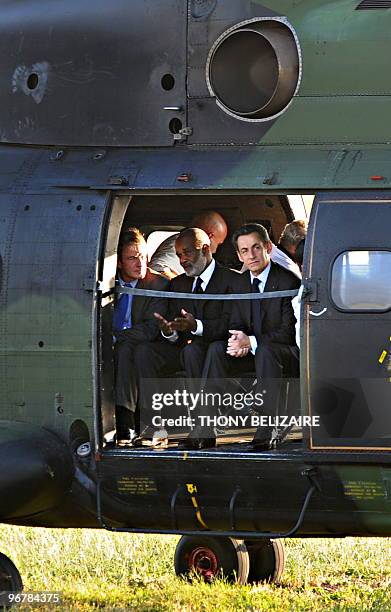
(333, 120)
(369, 489)
(345, 52)
(50, 255)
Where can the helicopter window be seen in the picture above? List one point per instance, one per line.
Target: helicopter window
(360, 281)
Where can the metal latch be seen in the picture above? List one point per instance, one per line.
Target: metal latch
(183, 133)
(118, 180)
(310, 290)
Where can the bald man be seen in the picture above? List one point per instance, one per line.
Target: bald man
(165, 260)
(191, 325)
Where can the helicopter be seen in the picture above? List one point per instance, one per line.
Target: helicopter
(142, 113)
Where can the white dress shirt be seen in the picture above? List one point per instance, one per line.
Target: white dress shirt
(262, 277)
(282, 259)
(296, 309)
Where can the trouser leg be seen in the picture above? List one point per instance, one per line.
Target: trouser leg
(269, 371)
(125, 377)
(152, 362)
(217, 369)
(125, 389)
(192, 360)
(272, 363)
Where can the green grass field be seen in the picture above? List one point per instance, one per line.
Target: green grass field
(99, 570)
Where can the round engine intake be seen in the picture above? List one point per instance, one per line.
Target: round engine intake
(254, 69)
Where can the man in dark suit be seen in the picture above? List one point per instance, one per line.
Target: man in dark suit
(133, 324)
(190, 325)
(262, 331)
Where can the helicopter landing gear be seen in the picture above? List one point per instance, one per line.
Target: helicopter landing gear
(10, 579)
(267, 560)
(212, 557)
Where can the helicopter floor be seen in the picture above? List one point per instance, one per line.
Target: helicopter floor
(223, 442)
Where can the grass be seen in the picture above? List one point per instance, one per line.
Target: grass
(100, 570)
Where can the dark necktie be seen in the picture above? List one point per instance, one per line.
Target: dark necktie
(256, 310)
(198, 303)
(198, 286)
(120, 320)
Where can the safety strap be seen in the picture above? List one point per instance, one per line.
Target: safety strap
(267, 295)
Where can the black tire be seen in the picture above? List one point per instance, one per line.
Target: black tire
(10, 579)
(267, 560)
(212, 557)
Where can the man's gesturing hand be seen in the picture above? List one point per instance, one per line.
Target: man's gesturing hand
(185, 323)
(164, 325)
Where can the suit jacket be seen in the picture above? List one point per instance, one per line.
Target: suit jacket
(215, 315)
(145, 327)
(277, 317)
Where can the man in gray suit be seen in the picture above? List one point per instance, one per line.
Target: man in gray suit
(133, 324)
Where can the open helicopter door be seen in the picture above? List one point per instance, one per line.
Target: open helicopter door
(346, 347)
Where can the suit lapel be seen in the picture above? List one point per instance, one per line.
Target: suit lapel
(138, 300)
(185, 287)
(212, 287)
(271, 285)
(247, 303)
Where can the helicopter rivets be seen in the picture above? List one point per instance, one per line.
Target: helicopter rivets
(186, 177)
(272, 179)
(84, 450)
(58, 155)
(99, 155)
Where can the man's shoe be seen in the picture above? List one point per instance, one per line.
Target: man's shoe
(125, 424)
(197, 443)
(126, 435)
(263, 444)
(265, 440)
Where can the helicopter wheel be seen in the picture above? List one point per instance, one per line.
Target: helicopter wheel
(267, 560)
(10, 579)
(211, 557)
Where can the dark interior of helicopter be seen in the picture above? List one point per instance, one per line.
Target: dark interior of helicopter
(155, 216)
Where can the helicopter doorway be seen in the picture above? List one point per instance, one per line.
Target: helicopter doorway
(347, 314)
(168, 213)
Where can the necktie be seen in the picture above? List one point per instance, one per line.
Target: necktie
(121, 319)
(256, 310)
(198, 286)
(198, 303)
